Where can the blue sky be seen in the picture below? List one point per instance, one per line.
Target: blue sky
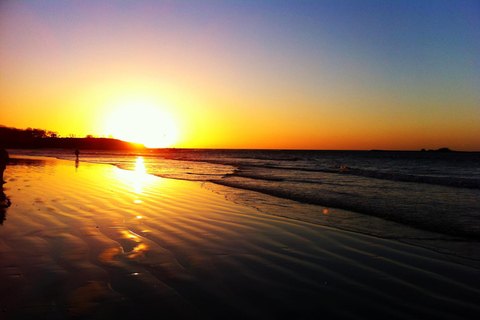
(312, 74)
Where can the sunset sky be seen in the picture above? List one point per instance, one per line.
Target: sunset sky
(246, 74)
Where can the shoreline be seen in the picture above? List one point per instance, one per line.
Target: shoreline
(95, 240)
(458, 248)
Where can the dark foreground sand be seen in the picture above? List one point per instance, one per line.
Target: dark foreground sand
(97, 242)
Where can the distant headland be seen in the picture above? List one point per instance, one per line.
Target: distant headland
(423, 150)
(38, 138)
(438, 150)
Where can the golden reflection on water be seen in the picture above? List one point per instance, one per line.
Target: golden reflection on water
(126, 234)
(140, 166)
(137, 178)
(141, 176)
(138, 251)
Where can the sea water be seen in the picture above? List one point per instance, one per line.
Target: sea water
(430, 199)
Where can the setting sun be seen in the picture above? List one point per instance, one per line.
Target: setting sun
(233, 74)
(142, 123)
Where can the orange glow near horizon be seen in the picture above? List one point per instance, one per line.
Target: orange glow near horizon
(214, 75)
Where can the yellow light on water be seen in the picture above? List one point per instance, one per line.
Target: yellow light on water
(137, 178)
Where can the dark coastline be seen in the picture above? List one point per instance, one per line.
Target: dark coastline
(13, 138)
(73, 143)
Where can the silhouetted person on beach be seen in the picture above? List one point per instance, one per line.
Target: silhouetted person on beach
(77, 152)
(3, 162)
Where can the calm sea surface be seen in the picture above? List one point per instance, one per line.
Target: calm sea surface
(431, 199)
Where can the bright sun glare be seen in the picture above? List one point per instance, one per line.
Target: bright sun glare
(142, 123)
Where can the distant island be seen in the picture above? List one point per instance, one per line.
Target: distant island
(438, 150)
(423, 150)
(29, 138)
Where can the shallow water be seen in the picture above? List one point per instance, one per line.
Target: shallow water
(429, 198)
(98, 242)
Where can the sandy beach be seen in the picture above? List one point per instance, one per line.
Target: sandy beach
(91, 241)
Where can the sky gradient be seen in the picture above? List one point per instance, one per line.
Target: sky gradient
(395, 75)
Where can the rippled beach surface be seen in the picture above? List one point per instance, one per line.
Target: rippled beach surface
(425, 198)
(91, 241)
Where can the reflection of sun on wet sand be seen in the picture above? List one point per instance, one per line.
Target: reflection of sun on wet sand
(98, 242)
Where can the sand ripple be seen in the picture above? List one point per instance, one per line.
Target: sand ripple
(97, 242)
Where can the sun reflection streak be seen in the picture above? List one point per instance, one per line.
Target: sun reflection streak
(137, 178)
(140, 166)
(138, 251)
(126, 234)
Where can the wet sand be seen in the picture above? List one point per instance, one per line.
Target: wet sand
(97, 242)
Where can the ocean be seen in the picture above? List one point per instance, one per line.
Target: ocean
(428, 199)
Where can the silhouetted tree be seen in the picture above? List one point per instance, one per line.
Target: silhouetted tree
(52, 134)
(39, 138)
